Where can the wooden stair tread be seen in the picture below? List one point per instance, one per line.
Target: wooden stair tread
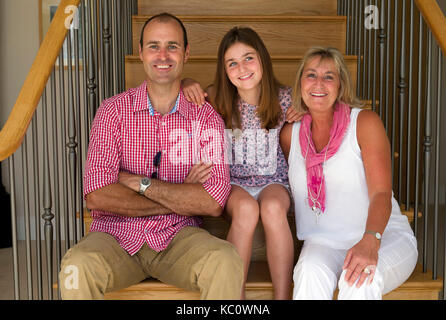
(230, 7)
(259, 280)
(281, 34)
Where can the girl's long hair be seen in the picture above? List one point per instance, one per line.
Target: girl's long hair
(224, 95)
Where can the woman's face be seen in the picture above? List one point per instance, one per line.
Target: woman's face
(243, 66)
(320, 84)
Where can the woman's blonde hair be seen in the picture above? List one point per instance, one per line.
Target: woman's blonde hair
(346, 91)
(225, 95)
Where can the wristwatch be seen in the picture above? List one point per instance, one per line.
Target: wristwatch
(376, 234)
(144, 183)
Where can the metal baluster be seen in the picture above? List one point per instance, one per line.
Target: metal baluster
(90, 112)
(27, 218)
(369, 59)
(382, 49)
(37, 205)
(47, 214)
(388, 67)
(437, 163)
(358, 41)
(360, 51)
(347, 45)
(101, 75)
(91, 64)
(15, 249)
(115, 45)
(64, 187)
(418, 133)
(427, 149)
(402, 92)
(374, 68)
(95, 43)
(409, 109)
(78, 134)
(106, 39)
(395, 53)
(365, 53)
(72, 144)
(55, 144)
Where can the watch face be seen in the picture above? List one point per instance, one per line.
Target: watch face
(145, 181)
(378, 236)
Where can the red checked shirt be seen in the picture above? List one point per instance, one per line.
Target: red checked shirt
(127, 134)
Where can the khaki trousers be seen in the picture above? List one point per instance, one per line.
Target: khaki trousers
(194, 260)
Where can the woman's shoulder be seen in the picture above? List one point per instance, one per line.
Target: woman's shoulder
(369, 126)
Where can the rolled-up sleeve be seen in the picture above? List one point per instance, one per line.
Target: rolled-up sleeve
(102, 164)
(212, 144)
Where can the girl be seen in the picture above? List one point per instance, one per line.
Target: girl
(253, 105)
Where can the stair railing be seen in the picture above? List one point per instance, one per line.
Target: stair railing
(46, 136)
(400, 47)
(79, 64)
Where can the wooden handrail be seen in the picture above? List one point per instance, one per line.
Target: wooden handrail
(14, 130)
(435, 19)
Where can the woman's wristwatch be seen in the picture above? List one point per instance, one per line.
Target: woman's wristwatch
(376, 234)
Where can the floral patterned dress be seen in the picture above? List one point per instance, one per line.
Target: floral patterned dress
(255, 156)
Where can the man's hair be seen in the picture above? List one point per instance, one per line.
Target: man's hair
(164, 17)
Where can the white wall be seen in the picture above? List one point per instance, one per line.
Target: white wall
(19, 38)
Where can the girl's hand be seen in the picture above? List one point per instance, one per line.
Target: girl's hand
(361, 255)
(193, 91)
(199, 173)
(292, 115)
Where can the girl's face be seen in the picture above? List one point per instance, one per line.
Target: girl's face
(320, 84)
(243, 66)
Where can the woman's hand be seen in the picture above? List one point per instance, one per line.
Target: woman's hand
(193, 91)
(292, 115)
(362, 255)
(199, 173)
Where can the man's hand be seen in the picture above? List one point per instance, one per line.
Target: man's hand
(199, 173)
(129, 180)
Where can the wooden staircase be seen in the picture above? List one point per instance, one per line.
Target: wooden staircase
(288, 29)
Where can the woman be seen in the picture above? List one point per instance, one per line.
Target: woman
(253, 106)
(340, 176)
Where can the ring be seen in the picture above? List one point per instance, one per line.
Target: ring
(369, 269)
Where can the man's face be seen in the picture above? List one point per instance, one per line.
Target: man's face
(163, 53)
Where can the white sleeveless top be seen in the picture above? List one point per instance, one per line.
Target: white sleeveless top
(343, 223)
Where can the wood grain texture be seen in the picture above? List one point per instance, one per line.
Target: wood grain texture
(419, 286)
(281, 34)
(435, 19)
(14, 130)
(239, 7)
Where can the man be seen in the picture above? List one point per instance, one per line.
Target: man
(144, 191)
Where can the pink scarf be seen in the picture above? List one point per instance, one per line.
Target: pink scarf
(314, 160)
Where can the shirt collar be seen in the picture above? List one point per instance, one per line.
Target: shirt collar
(142, 102)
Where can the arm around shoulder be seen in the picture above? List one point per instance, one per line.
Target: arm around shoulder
(285, 139)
